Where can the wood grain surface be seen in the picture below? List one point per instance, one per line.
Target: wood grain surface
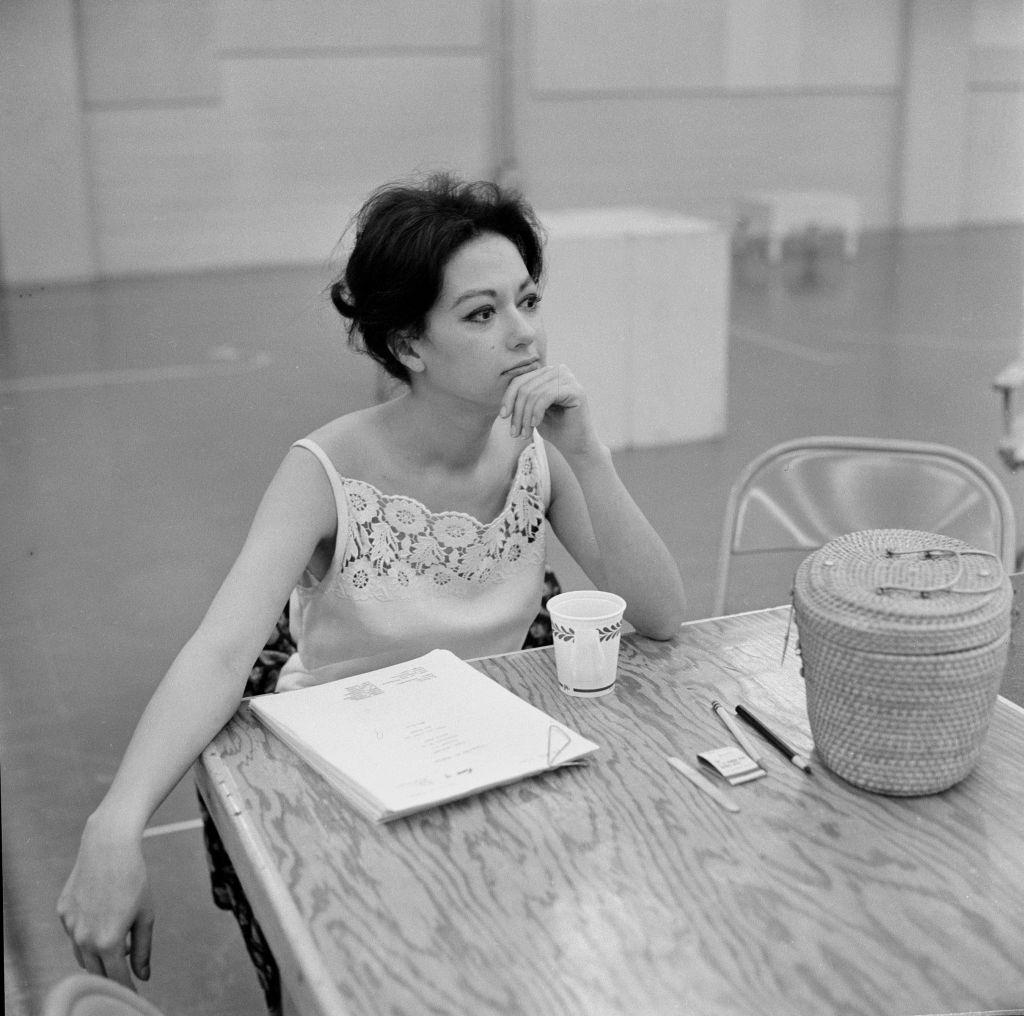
(618, 887)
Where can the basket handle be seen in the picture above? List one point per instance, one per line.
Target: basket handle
(950, 586)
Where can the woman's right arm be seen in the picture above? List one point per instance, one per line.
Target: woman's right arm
(105, 906)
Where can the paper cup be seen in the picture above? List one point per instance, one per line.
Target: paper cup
(585, 628)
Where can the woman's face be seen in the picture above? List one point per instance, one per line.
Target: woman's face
(485, 327)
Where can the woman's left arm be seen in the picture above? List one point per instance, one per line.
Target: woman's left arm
(591, 512)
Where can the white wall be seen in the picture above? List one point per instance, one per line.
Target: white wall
(229, 132)
(914, 106)
(994, 146)
(731, 96)
(934, 113)
(142, 136)
(46, 228)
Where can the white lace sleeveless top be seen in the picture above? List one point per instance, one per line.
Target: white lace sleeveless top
(405, 580)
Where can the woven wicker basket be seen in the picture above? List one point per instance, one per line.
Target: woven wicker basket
(904, 638)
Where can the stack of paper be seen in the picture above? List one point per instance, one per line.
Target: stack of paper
(404, 738)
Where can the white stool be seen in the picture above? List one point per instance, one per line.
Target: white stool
(778, 214)
(1010, 382)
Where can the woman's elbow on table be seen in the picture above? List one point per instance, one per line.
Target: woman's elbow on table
(659, 633)
(663, 623)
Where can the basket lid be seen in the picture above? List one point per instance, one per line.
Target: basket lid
(903, 591)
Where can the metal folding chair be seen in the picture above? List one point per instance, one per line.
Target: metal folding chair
(800, 494)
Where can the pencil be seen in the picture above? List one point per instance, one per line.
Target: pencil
(730, 724)
(744, 712)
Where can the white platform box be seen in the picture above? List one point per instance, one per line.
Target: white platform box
(778, 214)
(636, 304)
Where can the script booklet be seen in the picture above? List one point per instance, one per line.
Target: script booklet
(407, 737)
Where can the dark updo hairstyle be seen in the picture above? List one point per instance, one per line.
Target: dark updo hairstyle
(405, 237)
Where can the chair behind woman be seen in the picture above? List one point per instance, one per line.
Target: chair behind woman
(800, 494)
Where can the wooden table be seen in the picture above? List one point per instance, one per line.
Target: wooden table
(617, 887)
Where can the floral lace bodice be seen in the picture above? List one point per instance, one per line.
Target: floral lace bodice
(396, 544)
(405, 580)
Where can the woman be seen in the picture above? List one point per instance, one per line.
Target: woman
(415, 524)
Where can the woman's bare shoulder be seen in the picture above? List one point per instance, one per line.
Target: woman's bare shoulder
(350, 441)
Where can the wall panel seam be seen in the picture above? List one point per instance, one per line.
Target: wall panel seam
(139, 105)
(711, 92)
(1008, 86)
(363, 52)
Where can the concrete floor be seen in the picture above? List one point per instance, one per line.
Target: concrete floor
(140, 421)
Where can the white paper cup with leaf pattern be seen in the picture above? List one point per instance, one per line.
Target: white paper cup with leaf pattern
(585, 628)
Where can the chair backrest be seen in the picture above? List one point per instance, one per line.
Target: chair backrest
(83, 994)
(800, 494)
